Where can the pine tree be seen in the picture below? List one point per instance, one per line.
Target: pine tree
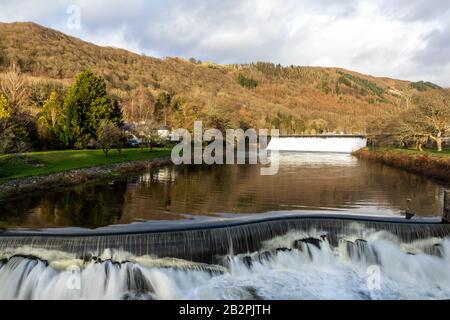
(86, 105)
(116, 113)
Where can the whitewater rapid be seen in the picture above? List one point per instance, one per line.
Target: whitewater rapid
(296, 265)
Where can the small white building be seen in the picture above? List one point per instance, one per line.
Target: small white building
(164, 133)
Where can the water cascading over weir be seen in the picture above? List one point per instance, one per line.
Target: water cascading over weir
(207, 241)
(319, 143)
(212, 260)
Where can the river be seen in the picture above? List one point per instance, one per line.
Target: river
(305, 182)
(279, 256)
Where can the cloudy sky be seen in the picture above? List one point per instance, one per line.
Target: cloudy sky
(407, 39)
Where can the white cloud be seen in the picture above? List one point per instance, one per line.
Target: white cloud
(386, 38)
(120, 38)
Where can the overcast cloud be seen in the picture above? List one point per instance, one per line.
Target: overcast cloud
(407, 39)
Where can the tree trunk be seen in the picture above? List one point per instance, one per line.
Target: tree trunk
(419, 146)
(439, 144)
(438, 140)
(404, 144)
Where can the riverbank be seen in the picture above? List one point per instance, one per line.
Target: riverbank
(428, 163)
(44, 170)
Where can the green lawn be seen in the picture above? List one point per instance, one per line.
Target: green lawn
(42, 163)
(431, 152)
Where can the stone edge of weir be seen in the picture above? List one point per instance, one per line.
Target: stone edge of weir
(446, 214)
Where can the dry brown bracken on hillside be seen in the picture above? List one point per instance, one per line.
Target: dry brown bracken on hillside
(295, 99)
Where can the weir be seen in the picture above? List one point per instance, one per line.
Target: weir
(205, 242)
(319, 143)
(287, 257)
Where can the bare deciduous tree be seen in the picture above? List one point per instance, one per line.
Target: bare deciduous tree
(14, 87)
(108, 137)
(140, 107)
(432, 116)
(148, 133)
(428, 118)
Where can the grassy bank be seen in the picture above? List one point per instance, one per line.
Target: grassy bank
(45, 163)
(428, 163)
(426, 152)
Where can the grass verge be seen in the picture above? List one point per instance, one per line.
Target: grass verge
(428, 163)
(44, 163)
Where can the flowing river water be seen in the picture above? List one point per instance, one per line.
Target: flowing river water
(226, 232)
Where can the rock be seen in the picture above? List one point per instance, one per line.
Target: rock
(248, 261)
(137, 283)
(265, 256)
(87, 258)
(308, 241)
(435, 250)
(438, 250)
(283, 250)
(253, 293)
(332, 239)
(350, 248)
(362, 251)
(114, 263)
(132, 296)
(30, 258)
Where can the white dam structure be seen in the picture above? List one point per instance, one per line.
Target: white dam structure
(319, 143)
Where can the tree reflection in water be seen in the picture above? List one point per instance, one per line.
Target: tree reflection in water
(305, 182)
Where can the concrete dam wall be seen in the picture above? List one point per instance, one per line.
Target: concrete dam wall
(337, 143)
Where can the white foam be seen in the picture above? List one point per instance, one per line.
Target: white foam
(344, 144)
(328, 273)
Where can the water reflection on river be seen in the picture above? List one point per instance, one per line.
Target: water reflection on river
(333, 182)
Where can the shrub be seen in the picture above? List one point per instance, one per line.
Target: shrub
(108, 137)
(248, 83)
(365, 84)
(423, 164)
(424, 86)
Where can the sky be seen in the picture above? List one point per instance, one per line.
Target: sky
(403, 39)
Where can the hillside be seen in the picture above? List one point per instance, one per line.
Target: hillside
(295, 99)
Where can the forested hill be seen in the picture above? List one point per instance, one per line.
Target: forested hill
(295, 99)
